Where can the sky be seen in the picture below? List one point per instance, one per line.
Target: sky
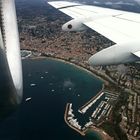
(128, 5)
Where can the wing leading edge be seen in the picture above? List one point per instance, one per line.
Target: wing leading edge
(137, 54)
(118, 26)
(121, 27)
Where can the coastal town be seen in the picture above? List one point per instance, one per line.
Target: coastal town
(118, 109)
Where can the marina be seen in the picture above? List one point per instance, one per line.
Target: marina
(102, 111)
(86, 106)
(25, 54)
(69, 119)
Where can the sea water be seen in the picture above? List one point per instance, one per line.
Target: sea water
(50, 85)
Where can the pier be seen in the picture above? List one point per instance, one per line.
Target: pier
(102, 111)
(71, 122)
(104, 107)
(86, 106)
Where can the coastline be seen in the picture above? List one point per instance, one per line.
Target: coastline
(86, 67)
(100, 132)
(78, 66)
(65, 118)
(72, 63)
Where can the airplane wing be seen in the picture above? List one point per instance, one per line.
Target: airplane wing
(118, 26)
(137, 54)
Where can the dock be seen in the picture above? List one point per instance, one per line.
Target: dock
(71, 122)
(89, 104)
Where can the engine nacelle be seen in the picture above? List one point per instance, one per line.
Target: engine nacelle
(11, 83)
(74, 25)
(116, 54)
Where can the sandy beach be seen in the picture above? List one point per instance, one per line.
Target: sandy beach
(103, 134)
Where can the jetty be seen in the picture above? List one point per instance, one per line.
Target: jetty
(71, 121)
(89, 104)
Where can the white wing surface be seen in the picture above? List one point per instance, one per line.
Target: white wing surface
(118, 26)
(137, 54)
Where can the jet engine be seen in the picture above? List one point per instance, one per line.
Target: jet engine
(117, 54)
(74, 25)
(10, 60)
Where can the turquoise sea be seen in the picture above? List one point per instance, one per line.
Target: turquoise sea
(50, 84)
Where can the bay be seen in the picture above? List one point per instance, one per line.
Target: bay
(50, 84)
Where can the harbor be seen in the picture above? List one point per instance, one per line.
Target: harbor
(69, 118)
(101, 111)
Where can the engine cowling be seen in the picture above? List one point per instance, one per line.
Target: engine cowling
(11, 83)
(74, 25)
(116, 54)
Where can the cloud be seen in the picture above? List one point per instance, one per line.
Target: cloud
(125, 3)
(113, 5)
(68, 84)
(122, 69)
(138, 1)
(108, 3)
(96, 2)
(120, 3)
